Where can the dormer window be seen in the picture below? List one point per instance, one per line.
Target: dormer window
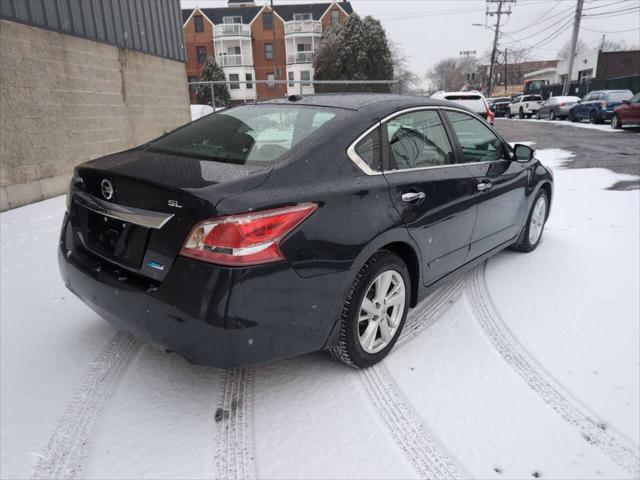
(197, 23)
(300, 17)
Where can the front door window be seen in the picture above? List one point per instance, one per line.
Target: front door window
(477, 141)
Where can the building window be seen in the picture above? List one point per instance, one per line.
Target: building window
(249, 78)
(299, 17)
(193, 88)
(305, 76)
(335, 17)
(233, 79)
(291, 78)
(197, 23)
(585, 74)
(268, 51)
(231, 19)
(271, 80)
(202, 54)
(267, 21)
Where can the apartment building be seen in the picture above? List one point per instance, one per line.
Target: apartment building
(251, 42)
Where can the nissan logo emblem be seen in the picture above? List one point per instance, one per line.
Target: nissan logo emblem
(107, 189)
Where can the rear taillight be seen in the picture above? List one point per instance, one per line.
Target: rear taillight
(246, 239)
(603, 104)
(562, 104)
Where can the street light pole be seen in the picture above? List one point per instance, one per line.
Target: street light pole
(574, 44)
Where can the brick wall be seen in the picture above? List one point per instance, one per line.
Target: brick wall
(65, 100)
(618, 64)
(262, 66)
(193, 40)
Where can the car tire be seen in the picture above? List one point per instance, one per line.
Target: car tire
(572, 117)
(521, 113)
(360, 339)
(615, 122)
(531, 235)
(538, 116)
(552, 115)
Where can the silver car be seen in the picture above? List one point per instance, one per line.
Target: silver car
(556, 108)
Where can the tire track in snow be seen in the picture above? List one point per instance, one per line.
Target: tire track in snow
(234, 417)
(430, 309)
(65, 454)
(422, 450)
(427, 457)
(622, 451)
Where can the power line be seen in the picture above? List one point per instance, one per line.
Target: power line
(610, 31)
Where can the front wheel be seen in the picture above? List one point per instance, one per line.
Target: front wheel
(538, 116)
(374, 312)
(615, 122)
(594, 118)
(572, 117)
(532, 234)
(520, 113)
(552, 115)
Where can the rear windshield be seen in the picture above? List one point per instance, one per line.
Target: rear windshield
(532, 98)
(619, 96)
(245, 135)
(474, 102)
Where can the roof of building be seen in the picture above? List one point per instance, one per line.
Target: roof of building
(249, 13)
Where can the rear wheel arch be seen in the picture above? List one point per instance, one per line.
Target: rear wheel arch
(410, 258)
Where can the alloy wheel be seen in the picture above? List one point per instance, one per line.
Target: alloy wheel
(538, 217)
(381, 311)
(552, 115)
(614, 121)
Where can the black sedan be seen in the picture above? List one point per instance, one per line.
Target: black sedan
(303, 224)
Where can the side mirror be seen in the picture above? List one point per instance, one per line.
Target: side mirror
(627, 102)
(522, 153)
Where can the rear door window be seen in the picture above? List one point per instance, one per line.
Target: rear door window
(416, 140)
(619, 96)
(368, 149)
(477, 142)
(252, 134)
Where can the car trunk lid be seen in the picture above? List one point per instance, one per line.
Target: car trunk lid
(136, 208)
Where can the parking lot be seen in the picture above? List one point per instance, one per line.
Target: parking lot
(520, 369)
(594, 146)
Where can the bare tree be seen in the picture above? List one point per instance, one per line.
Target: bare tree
(401, 70)
(565, 51)
(445, 75)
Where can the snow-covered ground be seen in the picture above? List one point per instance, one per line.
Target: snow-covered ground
(527, 367)
(604, 127)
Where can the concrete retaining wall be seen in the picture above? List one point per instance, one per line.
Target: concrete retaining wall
(65, 100)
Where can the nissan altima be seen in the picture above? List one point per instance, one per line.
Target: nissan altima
(296, 225)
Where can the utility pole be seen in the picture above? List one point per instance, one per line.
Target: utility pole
(276, 70)
(574, 44)
(506, 71)
(496, 36)
(469, 53)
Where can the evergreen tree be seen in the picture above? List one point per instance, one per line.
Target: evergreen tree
(212, 72)
(356, 50)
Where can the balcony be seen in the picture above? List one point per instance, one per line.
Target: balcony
(300, 57)
(232, 30)
(303, 26)
(234, 60)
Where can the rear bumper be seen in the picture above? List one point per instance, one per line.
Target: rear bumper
(210, 315)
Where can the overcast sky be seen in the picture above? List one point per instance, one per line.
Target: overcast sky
(430, 30)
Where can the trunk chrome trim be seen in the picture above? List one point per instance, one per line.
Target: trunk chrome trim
(137, 216)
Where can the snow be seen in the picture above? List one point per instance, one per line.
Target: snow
(527, 365)
(603, 127)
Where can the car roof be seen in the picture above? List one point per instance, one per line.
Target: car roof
(380, 102)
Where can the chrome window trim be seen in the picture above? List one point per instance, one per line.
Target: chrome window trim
(360, 163)
(137, 216)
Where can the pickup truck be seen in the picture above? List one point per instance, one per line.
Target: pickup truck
(525, 106)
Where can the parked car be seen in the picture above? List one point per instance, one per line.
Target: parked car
(556, 107)
(525, 106)
(234, 240)
(472, 100)
(500, 106)
(628, 113)
(598, 106)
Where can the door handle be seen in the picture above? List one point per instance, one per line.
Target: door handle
(413, 196)
(484, 186)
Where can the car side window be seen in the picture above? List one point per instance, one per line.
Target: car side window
(368, 149)
(418, 139)
(635, 98)
(477, 141)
